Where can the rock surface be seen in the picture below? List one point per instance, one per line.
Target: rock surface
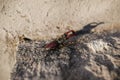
(90, 57)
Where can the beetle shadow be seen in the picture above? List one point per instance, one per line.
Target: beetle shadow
(87, 28)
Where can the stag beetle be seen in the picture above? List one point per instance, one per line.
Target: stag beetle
(60, 41)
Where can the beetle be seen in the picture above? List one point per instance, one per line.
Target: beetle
(60, 41)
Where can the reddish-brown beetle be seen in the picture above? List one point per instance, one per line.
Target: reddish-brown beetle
(60, 41)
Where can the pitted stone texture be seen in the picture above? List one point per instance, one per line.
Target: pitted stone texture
(76, 61)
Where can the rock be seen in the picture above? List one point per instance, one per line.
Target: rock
(91, 57)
